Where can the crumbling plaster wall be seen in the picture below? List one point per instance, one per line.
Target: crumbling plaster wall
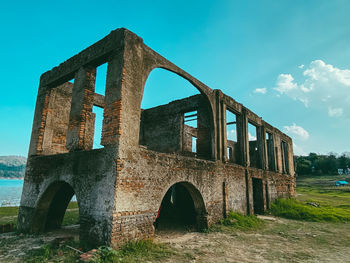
(92, 176)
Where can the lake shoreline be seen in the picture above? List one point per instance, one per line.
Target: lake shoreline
(11, 178)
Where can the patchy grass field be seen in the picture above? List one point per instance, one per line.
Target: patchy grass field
(237, 238)
(322, 190)
(8, 215)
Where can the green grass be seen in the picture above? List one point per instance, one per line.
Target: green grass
(321, 189)
(71, 217)
(132, 252)
(294, 209)
(54, 252)
(137, 251)
(8, 215)
(237, 221)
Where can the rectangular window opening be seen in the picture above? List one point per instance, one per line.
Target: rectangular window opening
(254, 155)
(194, 144)
(190, 119)
(98, 114)
(101, 77)
(232, 151)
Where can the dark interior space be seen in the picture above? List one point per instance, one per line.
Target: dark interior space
(270, 151)
(258, 196)
(58, 207)
(177, 210)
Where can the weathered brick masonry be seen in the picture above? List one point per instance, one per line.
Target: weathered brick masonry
(120, 187)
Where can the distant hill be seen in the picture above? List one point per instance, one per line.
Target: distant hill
(12, 166)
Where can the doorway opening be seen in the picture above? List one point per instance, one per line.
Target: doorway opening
(182, 208)
(57, 207)
(258, 196)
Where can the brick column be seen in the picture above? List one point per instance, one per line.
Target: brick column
(261, 146)
(224, 133)
(111, 128)
(80, 134)
(39, 122)
(245, 138)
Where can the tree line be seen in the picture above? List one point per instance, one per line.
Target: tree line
(322, 164)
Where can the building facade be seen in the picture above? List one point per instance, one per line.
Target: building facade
(195, 158)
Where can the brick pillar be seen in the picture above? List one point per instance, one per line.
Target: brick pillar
(79, 135)
(219, 141)
(111, 128)
(224, 132)
(245, 138)
(39, 122)
(261, 146)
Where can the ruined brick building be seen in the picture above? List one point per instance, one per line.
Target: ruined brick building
(177, 156)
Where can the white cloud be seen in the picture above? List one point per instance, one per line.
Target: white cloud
(323, 86)
(301, 66)
(260, 90)
(299, 131)
(285, 83)
(335, 112)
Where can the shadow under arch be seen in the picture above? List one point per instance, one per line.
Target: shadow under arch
(207, 129)
(182, 206)
(52, 206)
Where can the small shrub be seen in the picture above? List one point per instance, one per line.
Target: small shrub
(241, 221)
(236, 220)
(293, 209)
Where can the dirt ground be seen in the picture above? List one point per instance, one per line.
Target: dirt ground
(280, 240)
(13, 247)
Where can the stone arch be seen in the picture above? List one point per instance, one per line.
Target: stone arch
(180, 73)
(204, 92)
(51, 206)
(200, 220)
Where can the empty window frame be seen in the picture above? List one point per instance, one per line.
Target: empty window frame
(285, 157)
(190, 119)
(232, 146)
(190, 131)
(254, 154)
(270, 151)
(97, 110)
(101, 78)
(97, 129)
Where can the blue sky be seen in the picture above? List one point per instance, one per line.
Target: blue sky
(288, 61)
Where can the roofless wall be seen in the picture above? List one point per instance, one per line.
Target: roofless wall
(229, 160)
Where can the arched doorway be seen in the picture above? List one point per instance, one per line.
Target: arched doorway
(52, 206)
(182, 208)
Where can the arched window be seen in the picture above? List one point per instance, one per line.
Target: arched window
(175, 116)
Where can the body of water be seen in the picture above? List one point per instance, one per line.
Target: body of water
(10, 192)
